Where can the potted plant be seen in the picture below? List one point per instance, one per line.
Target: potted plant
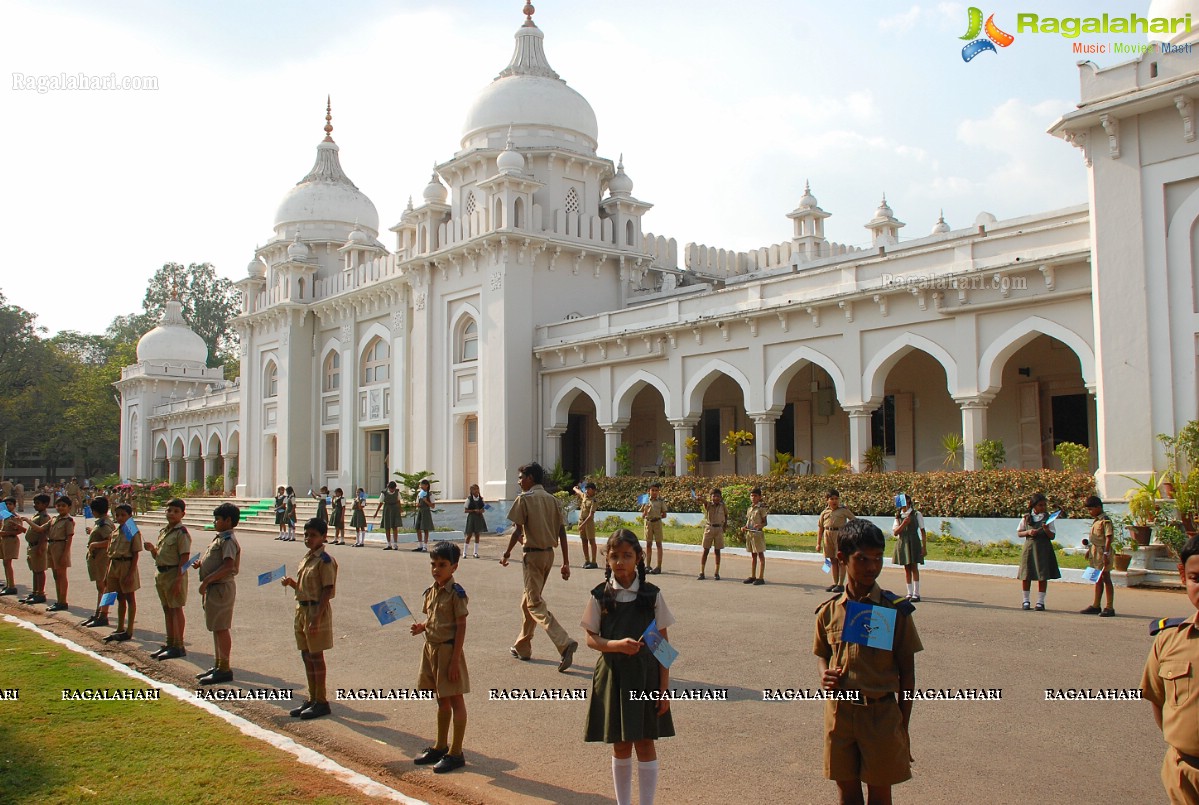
(1075, 458)
(1170, 443)
(875, 459)
(990, 454)
(1142, 507)
(1172, 536)
(1123, 545)
(1186, 499)
(951, 444)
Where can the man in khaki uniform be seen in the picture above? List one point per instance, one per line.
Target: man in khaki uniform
(59, 539)
(653, 511)
(123, 579)
(171, 555)
(755, 537)
(315, 585)
(76, 496)
(828, 531)
(716, 519)
(218, 568)
(538, 518)
(19, 492)
(99, 536)
(11, 529)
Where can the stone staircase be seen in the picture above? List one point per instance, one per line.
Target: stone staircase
(1153, 566)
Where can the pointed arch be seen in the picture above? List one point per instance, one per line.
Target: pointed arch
(789, 365)
(214, 444)
(160, 450)
(177, 448)
(1007, 343)
(560, 407)
(270, 378)
(875, 376)
(693, 395)
(626, 392)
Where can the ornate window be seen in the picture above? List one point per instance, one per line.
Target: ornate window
(271, 382)
(468, 342)
(332, 372)
(572, 201)
(376, 362)
(470, 202)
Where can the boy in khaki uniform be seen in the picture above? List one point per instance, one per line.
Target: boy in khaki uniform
(99, 537)
(587, 508)
(1099, 556)
(716, 519)
(315, 585)
(58, 551)
(1168, 683)
(828, 530)
(654, 512)
(755, 537)
(123, 578)
(218, 567)
(11, 530)
(35, 553)
(442, 666)
(866, 741)
(171, 554)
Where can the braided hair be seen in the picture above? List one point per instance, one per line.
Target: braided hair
(630, 539)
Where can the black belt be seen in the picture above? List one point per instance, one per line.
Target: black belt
(532, 550)
(120, 558)
(309, 603)
(167, 568)
(1190, 760)
(56, 540)
(865, 701)
(654, 519)
(716, 525)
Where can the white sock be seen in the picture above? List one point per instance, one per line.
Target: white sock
(647, 781)
(1041, 598)
(909, 588)
(916, 588)
(1026, 596)
(622, 779)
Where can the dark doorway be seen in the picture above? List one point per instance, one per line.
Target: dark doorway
(784, 431)
(1070, 419)
(574, 447)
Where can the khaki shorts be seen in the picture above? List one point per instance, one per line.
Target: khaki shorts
(1180, 779)
(11, 548)
(755, 542)
(36, 558)
(170, 599)
(714, 535)
(313, 642)
(831, 538)
(115, 582)
(866, 742)
(435, 671)
(97, 566)
(59, 555)
(587, 530)
(653, 531)
(218, 606)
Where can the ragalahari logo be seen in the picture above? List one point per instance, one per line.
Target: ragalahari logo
(994, 36)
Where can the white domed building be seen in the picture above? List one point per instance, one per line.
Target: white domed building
(523, 312)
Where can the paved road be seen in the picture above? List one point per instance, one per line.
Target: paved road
(731, 636)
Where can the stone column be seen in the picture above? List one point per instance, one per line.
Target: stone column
(227, 483)
(764, 440)
(612, 438)
(859, 433)
(974, 427)
(553, 446)
(683, 429)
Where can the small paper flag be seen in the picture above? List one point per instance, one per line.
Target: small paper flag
(827, 567)
(108, 599)
(643, 499)
(658, 646)
(1053, 516)
(693, 494)
(1092, 574)
(4, 512)
(486, 507)
(499, 529)
(129, 529)
(901, 501)
(868, 625)
(272, 575)
(370, 526)
(391, 610)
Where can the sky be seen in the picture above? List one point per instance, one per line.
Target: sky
(722, 111)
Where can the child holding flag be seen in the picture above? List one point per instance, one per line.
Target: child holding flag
(866, 740)
(10, 535)
(218, 590)
(617, 615)
(338, 520)
(315, 585)
(653, 511)
(123, 548)
(442, 667)
(1038, 560)
(1099, 556)
(98, 539)
(35, 552)
(911, 542)
(358, 518)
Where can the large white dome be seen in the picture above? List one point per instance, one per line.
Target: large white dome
(530, 97)
(1175, 9)
(173, 342)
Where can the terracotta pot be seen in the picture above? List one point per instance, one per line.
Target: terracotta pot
(1167, 489)
(1141, 533)
(1122, 560)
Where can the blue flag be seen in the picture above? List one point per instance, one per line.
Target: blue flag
(108, 599)
(499, 529)
(129, 529)
(657, 645)
(1092, 574)
(827, 567)
(1053, 517)
(486, 507)
(643, 499)
(272, 575)
(868, 625)
(391, 610)
(4, 512)
(188, 565)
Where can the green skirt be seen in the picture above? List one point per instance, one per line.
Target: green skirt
(424, 520)
(907, 550)
(358, 519)
(613, 716)
(391, 516)
(1038, 562)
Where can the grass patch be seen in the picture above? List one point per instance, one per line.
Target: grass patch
(130, 751)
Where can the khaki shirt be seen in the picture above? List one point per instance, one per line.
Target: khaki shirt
(540, 515)
(223, 546)
(834, 519)
(654, 510)
(586, 508)
(174, 544)
(1169, 681)
(121, 547)
(755, 518)
(62, 529)
(873, 671)
(444, 606)
(716, 515)
(317, 571)
(36, 538)
(12, 527)
(103, 531)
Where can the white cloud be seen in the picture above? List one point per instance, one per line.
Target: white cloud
(902, 22)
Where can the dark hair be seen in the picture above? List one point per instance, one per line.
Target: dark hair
(532, 470)
(443, 549)
(629, 538)
(289, 491)
(716, 491)
(227, 511)
(125, 507)
(100, 505)
(655, 485)
(10, 499)
(590, 485)
(1189, 549)
(858, 534)
(338, 492)
(832, 493)
(391, 484)
(43, 498)
(63, 499)
(325, 489)
(1035, 499)
(757, 490)
(1093, 502)
(318, 525)
(424, 481)
(176, 503)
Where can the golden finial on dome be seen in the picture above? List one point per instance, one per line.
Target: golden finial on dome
(328, 119)
(528, 12)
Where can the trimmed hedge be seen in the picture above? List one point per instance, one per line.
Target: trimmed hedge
(981, 493)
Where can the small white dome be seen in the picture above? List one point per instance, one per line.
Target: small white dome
(884, 210)
(510, 160)
(256, 269)
(1175, 9)
(435, 192)
(620, 184)
(807, 201)
(985, 218)
(297, 250)
(173, 342)
(358, 236)
(940, 227)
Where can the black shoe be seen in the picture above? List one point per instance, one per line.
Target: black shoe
(117, 637)
(430, 755)
(838, 588)
(217, 678)
(209, 672)
(1107, 612)
(832, 588)
(8, 591)
(417, 549)
(568, 656)
(1039, 607)
(296, 712)
(36, 598)
(716, 576)
(449, 763)
(1026, 606)
(171, 653)
(758, 582)
(750, 580)
(915, 599)
(1091, 610)
(317, 710)
(93, 622)
(656, 571)
(89, 621)
(700, 577)
(57, 606)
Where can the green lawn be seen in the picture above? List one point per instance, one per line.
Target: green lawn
(57, 751)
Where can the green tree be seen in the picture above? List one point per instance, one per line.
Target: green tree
(209, 304)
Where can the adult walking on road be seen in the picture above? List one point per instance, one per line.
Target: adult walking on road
(539, 519)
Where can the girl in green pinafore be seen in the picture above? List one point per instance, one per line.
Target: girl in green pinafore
(618, 612)
(1038, 560)
(910, 543)
(358, 518)
(338, 520)
(389, 502)
(322, 504)
(424, 516)
(289, 514)
(281, 513)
